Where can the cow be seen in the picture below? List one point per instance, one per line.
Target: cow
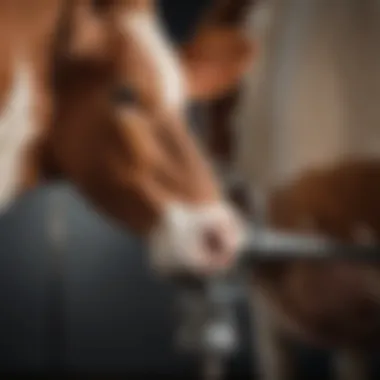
(301, 135)
(94, 92)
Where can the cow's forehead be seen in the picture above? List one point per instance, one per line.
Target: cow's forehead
(146, 30)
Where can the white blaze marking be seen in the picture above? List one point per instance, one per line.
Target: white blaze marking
(150, 34)
(178, 242)
(16, 131)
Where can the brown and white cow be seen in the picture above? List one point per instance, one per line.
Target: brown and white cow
(303, 131)
(94, 92)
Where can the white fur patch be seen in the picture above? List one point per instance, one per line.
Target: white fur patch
(16, 131)
(151, 35)
(178, 242)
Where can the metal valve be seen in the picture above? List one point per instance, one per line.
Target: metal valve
(207, 320)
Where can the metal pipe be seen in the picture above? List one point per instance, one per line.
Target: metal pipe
(265, 244)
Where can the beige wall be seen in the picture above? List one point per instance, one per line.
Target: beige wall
(314, 98)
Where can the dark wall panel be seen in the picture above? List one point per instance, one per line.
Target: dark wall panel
(24, 265)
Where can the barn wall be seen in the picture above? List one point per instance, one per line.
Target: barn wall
(311, 100)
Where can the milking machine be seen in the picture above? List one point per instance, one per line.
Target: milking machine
(208, 324)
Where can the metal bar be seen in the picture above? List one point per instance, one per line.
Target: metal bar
(268, 244)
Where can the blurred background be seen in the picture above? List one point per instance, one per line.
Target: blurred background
(76, 294)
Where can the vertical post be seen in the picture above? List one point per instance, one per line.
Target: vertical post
(288, 22)
(220, 333)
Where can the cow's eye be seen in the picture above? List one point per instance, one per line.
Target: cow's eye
(124, 95)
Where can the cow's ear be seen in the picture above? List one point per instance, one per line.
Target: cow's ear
(215, 61)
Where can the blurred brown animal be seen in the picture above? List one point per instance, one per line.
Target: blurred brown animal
(335, 303)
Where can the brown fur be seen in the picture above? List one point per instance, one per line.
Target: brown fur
(334, 303)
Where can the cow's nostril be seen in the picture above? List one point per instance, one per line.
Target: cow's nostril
(213, 241)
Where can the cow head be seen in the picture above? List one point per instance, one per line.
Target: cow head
(120, 132)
